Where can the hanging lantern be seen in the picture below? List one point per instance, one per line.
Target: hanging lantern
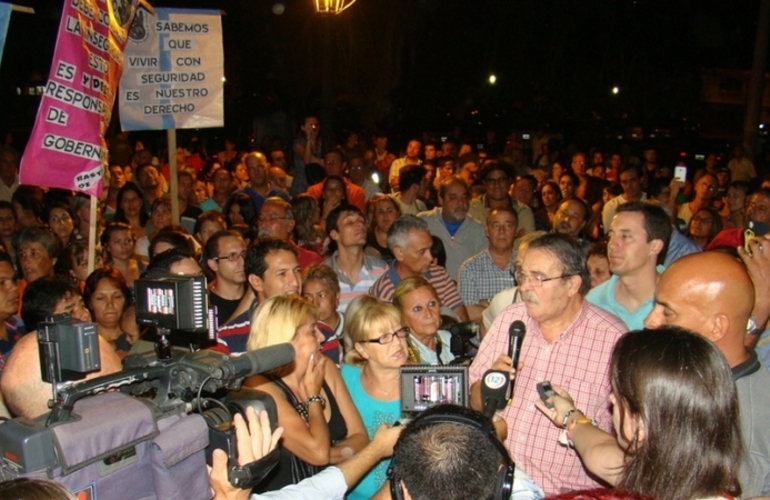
(332, 6)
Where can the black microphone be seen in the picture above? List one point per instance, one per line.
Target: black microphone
(254, 362)
(494, 390)
(516, 333)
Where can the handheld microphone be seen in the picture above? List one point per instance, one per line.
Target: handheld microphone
(516, 333)
(494, 389)
(254, 362)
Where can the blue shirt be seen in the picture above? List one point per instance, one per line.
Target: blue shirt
(374, 413)
(604, 296)
(678, 246)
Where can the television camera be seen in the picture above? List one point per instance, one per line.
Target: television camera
(161, 417)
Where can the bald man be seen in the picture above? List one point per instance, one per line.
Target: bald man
(712, 294)
(24, 392)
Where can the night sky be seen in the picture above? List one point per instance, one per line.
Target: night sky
(407, 65)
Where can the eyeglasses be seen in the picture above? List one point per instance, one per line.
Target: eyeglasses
(232, 256)
(497, 180)
(537, 279)
(703, 220)
(272, 218)
(387, 338)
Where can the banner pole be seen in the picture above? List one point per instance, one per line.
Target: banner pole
(172, 175)
(92, 235)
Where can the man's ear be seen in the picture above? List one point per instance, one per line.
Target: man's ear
(720, 325)
(398, 253)
(333, 235)
(213, 265)
(290, 224)
(255, 282)
(656, 246)
(575, 282)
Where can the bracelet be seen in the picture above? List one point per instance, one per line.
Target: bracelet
(567, 439)
(315, 399)
(581, 420)
(567, 416)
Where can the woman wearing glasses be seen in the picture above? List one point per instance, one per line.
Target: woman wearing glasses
(420, 307)
(375, 346)
(703, 226)
(321, 424)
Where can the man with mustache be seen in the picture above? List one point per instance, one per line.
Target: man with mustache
(462, 235)
(568, 342)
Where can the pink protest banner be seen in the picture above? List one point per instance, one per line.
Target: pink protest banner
(67, 147)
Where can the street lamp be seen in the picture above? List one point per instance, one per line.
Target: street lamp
(332, 6)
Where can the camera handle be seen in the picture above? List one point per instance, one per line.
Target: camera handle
(67, 394)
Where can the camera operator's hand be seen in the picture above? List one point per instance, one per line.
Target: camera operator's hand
(313, 378)
(385, 438)
(254, 441)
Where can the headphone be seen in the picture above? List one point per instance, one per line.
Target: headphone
(453, 414)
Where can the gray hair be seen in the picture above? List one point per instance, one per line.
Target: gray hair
(570, 254)
(529, 237)
(398, 234)
(278, 201)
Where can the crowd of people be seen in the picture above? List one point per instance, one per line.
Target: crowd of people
(363, 259)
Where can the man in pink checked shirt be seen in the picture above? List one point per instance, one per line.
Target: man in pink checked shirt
(568, 342)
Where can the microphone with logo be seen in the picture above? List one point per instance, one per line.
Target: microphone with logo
(494, 391)
(496, 385)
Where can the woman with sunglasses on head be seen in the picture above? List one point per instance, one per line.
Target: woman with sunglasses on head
(420, 307)
(376, 349)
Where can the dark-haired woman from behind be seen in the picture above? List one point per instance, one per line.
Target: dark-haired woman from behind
(675, 414)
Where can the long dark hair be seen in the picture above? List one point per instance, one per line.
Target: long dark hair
(120, 216)
(109, 273)
(681, 388)
(246, 206)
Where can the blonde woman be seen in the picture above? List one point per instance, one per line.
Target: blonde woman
(421, 309)
(375, 345)
(321, 424)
